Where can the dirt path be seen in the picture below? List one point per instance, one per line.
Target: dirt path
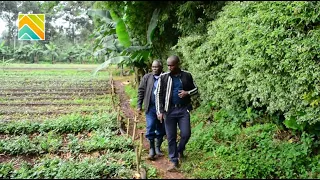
(161, 163)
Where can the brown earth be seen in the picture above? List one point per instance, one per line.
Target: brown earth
(161, 163)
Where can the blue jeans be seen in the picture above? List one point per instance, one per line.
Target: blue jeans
(155, 129)
(180, 116)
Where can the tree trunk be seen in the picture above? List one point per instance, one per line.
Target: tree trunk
(136, 77)
(52, 60)
(138, 74)
(122, 73)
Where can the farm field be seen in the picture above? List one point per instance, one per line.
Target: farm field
(59, 123)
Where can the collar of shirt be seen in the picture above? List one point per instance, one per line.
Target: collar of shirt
(176, 75)
(156, 77)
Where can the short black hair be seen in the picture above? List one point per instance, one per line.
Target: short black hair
(175, 58)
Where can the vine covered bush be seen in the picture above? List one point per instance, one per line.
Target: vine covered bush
(260, 55)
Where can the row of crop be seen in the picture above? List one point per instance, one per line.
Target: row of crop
(52, 93)
(53, 83)
(54, 109)
(56, 98)
(71, 123)
(105, 99)
(57, 89)
(53, 96)
(111, 165)
(52, 142)
(50, 73)
(44, 77)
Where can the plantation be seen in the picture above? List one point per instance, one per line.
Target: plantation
(61, 122)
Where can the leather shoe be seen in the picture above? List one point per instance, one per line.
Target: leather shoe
(173, 167)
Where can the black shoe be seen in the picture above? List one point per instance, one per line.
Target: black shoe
(152, 151)
(181, 156)
(158, 147)
(173, 167)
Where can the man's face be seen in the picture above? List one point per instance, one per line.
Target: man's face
(172, 65)
(156, 68)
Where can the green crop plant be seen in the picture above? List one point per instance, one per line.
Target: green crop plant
(69, 123)
(113, 165)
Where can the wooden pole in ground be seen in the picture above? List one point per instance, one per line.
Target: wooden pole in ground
(137, 160)
(140, 145)
(128, 126)
(111, 82)
(119, 117)
(112, 90)
(134, 127)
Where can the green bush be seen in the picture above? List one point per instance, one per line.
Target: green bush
(132, 92)
(257, 151)
(261, 55)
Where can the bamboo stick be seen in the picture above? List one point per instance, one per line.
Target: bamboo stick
(137, 160)
(140, 145)
(134, 130)
(118, 117)
(128, 126)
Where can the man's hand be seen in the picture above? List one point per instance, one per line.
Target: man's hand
(139, 110)
(183, 93)
(160, 117)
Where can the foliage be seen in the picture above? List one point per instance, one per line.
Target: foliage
(256, 58)
(257, 151)
(132, 93)
(194, 16)
(48, 143)
(70, 123)
(120, 46)
(112, 165)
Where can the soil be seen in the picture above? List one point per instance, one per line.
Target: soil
(161, 163)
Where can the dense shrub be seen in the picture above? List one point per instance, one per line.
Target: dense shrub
(263, 55)
(258, 151)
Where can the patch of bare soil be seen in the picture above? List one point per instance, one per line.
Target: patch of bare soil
(161, 163)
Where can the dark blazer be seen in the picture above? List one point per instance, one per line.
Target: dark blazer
(144, 91)
(164, 90)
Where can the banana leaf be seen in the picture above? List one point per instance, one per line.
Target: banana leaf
(152, 25)
(114, 60)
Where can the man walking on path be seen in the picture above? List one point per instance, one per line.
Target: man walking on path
(146, 95)
(173, 104)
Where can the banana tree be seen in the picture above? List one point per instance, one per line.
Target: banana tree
(52, 51)
(114, 36)
(35, 51)
(2, 49)
(84, 52)
(5, 51)
(21, 53)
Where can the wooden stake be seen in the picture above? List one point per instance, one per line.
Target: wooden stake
(118, 117)
(128, 126)
(134, 130)
(140, 145)
(137, 160)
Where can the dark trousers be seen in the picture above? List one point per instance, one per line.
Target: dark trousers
(180, 116)
(154, 128)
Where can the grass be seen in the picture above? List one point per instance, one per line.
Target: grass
(132, 92)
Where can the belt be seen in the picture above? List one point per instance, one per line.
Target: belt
(178, 105)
